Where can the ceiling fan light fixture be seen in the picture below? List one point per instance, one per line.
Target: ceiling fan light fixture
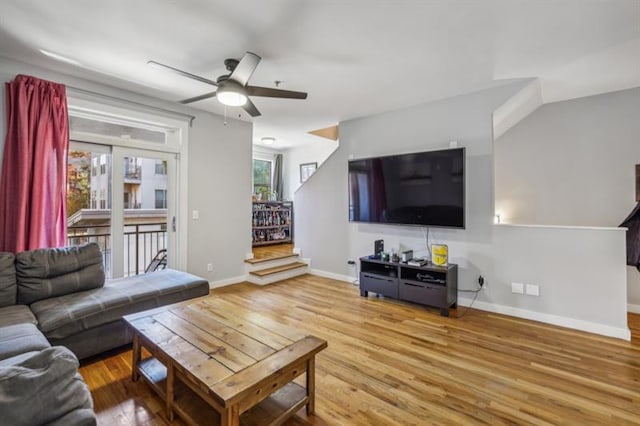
(231, 94)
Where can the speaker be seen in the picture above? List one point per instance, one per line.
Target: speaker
(378, 247)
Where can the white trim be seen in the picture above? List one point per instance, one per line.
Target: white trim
(227, 281)
(634, 309)
(325, 274)
(576, 324)
(594, 228)
(176, 144)
(297, 250)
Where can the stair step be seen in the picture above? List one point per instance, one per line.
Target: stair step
(277, 269)
(266, 259)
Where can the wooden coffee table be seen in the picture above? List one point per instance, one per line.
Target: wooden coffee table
(215, 362)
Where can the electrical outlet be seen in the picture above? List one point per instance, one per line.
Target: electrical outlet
(517, 288)
(532, 290)
(210, 267)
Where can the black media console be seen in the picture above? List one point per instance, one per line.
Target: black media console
(428, 285)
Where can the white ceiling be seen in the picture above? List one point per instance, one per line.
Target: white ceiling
(353, 57)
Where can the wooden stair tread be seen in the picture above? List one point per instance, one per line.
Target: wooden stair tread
(276, 269)
(266, 259)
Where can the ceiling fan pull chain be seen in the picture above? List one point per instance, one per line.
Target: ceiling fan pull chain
(225, 115)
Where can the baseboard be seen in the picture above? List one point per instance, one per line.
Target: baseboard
(576, 324)
(228, 281)
(325, 274)
(634, 309)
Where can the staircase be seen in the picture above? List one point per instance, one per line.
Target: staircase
(275, 268)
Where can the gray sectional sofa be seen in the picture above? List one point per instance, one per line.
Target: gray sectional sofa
(60, 297)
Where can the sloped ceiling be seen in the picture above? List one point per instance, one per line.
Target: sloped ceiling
(354, 57)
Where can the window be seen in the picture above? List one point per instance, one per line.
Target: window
(261, 176)
(94, 201)
(161, 167)
(94, 166)
(103, 199)
(103, 164)
(161, 198)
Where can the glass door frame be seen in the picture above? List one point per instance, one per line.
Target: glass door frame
(176, 145)
(118, 155)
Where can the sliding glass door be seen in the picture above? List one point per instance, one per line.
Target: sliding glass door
(144, 198)
(124, 200)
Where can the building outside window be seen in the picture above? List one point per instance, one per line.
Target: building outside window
(161, 198)
(103, 164)
(161, 167)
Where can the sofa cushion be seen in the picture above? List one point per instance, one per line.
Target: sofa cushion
(63, 316)
(42, 388)
(51, 272)
(16, 314)
(18, 338)
(7, 279)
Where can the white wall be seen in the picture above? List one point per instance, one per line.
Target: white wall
(219, 176)
(573, 163)
(312, 152)
(326, 236)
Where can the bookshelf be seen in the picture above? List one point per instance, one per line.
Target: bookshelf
(272, 222)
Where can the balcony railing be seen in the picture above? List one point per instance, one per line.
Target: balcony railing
(141, 243)
(132, 172)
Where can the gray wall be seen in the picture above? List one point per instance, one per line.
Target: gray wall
(219, 176)
(569, 290)
(572, 163)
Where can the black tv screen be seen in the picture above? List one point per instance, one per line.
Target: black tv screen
(423, 188)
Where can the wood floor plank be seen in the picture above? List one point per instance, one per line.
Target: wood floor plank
(391, 362)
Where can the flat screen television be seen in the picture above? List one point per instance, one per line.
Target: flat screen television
(422, 188)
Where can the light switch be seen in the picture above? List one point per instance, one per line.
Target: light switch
(195, 215)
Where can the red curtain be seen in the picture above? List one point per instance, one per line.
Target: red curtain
(33, 181)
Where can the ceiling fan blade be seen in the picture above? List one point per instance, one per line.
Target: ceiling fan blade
(182, 73)
(199, 98)
(245, 68)
(274, 93)
(251, 109)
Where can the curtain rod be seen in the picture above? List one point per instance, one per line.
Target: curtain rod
(113, 98)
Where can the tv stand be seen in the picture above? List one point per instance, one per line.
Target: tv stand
(427, 285)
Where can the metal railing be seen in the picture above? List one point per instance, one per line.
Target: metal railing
(141, 243)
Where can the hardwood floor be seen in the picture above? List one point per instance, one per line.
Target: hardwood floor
(390, 362)
(264, 252)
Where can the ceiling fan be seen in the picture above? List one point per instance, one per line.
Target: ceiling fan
(233, 88)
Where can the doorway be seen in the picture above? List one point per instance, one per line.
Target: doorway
(124, 200)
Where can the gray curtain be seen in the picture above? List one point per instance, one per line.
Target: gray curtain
(277, 184)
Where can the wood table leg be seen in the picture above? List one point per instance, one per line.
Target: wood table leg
(135, 375)
(230, 416)
(311, 385)
(170, 390)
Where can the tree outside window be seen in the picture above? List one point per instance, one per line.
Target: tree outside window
(261, 176)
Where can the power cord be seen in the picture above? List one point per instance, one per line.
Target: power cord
(426, 241)
(477, 291)
(472, 302)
